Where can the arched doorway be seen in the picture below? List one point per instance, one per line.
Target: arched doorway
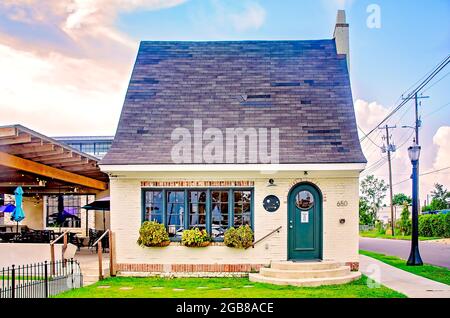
(304, 222)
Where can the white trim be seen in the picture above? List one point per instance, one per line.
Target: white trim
(234, 167)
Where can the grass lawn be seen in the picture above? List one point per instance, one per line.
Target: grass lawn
(437, 273)
(122, 287)
(375, 234)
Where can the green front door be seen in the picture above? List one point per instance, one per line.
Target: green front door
(304, 223)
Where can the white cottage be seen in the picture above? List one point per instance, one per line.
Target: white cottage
(222, 134)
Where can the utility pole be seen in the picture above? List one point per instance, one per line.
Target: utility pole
(418, 121)
(418, 125)
(390, 148)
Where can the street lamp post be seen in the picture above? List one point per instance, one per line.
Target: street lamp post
(414, 256)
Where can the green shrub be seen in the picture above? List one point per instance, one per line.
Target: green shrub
(152, 234)
(381, 229)
(195, 238)
(425, 225)
(437, 225)
(242, 237)
(446, 227)
(404, 224)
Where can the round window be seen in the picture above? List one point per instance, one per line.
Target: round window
(304, 200)
(271, 203)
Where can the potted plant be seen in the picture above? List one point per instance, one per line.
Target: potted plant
(153, 234)
(195, 238)
(242, 237)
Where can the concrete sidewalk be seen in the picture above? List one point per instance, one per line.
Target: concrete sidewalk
(404, 282)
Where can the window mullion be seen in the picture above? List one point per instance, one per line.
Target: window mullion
(186, 210)
(208, 212)
(230, 208)
(164, 210)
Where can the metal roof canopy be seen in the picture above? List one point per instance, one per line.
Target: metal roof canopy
(44, 165)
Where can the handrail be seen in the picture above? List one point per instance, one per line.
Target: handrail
(102, 236)
(59, 237)
(266, 236)
(100, 257)
(52, 250)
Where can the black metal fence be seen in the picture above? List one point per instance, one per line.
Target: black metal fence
(40, 280)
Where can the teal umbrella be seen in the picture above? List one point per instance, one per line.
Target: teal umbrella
(18, 214)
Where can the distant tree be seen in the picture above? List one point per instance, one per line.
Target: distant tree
(373, 192)
(365, 217)
(440, 194)
(401, 198)
(435, 205)
(405, 222)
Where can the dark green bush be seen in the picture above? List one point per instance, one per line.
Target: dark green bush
(404, 224)
(425, 225)
(242, 237)
(446, 220)
(437, 225)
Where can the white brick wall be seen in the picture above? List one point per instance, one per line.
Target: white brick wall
(340, 241)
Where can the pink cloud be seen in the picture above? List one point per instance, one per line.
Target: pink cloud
(65, 66)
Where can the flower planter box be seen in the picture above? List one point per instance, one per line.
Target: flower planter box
(204, 244)
(162, 244)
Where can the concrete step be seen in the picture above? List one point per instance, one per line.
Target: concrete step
(304, 266)
(299, 274)
(306, 282)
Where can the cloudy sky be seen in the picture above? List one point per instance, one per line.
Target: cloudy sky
(65, 64)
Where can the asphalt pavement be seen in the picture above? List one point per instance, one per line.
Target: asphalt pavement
(431, 253)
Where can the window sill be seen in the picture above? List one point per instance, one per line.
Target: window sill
(178, 243)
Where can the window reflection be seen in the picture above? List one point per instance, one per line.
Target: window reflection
(304, 200)
(154, 206)
(175, 213)
(219, 213)
(242, 208)
(197, 209)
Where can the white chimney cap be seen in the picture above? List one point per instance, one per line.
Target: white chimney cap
(340, 19)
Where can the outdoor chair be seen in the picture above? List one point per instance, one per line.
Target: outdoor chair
(75, 240)
(92, 238)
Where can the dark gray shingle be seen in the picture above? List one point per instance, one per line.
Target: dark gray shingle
(300, 87)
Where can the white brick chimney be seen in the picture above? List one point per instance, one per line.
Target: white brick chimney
(341, 36)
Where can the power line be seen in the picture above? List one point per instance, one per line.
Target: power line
(380, 163)
(368, 137)
(423, 174)
(411, 95)
(406, 140)
(432, 85)
(435, 111)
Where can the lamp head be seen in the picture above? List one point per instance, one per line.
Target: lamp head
(414, 152)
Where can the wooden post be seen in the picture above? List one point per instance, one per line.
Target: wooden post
(111, 255)
(52, 258)
(64, 249)
(100, 261)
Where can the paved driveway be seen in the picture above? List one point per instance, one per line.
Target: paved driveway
(432, 253)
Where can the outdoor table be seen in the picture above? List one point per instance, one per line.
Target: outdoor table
(7, 236)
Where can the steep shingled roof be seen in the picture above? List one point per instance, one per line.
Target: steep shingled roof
(300, 87)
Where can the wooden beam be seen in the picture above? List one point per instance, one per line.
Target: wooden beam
(22, 150)
(53, 191)
(9, 184)
(16, 140)
(15, 162)
(7, 132)
(62, 161)
(54, 155)
(81, 162)
(34, 155)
